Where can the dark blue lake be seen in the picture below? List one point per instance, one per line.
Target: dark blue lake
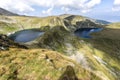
(85, 32)
(26, 35)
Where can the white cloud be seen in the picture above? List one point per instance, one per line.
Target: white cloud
(116, 6)
(16, 6)
(116, 2)
(86, 10)
(81, 5)
(65, 9)
(48, 12)
(66, 5)
(23, 7)
(92, 3)
(89, 5)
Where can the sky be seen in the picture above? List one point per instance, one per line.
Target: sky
(108, 10)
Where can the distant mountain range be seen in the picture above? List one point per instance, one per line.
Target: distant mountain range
(103, 22)
(100, 21)
(7, 13)
(70, 16)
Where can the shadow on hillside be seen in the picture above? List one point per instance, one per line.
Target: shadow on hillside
(84, 23)
(70, 18)
(107, 41)
(87, 23)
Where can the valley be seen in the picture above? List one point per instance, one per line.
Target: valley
(47, 48)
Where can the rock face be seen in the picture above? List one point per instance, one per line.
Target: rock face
(4, 42)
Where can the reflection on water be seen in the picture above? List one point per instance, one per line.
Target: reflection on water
(85, 32)
(26, 35)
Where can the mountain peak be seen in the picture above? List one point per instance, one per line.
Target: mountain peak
(7, 13)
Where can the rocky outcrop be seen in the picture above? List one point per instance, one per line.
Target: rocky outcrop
(69, 74)
(6, 43)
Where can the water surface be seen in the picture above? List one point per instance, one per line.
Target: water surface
(85, 32)
(26, 35)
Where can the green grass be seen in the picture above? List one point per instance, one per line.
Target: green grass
(104, 45)
(32, 64)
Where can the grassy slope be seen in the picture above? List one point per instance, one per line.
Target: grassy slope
(114, 25)
(21, 64)
(15, 23)
(106, 45)
(100, 55)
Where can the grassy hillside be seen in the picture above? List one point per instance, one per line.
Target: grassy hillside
(40, 64)
(99, 55)
(9, 24)
(114, 25)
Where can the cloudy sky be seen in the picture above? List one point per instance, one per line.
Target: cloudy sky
(100, 9)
